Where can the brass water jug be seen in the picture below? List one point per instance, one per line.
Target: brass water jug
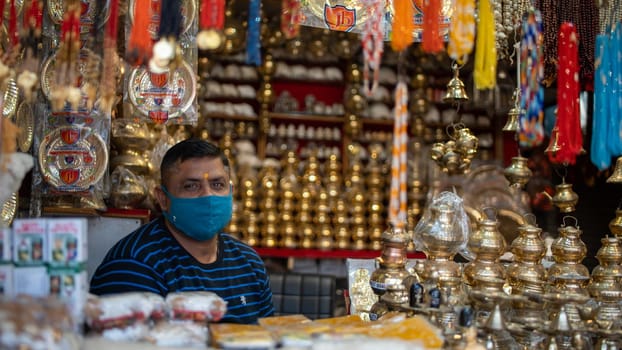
(565, 198)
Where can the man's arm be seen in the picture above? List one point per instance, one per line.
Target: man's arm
(126, 275)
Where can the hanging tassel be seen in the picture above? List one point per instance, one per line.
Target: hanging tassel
(291, 17)
(613, 92)
(485, 71)
(373, 44)
(398, 201)
(13, 35)
(462, 31)
(170, 20)
(568, 121)
(531, 132)
(212, 23)
(253, 44)
(403, 25)
(140, 43)
(431, 41)
(110, 61)
(600, 154)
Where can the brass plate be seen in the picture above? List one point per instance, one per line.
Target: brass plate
(11, 96)
(9, 209)
(88, 14)
(72, 158)
(162, 96)
(25, 121)
(188, 13)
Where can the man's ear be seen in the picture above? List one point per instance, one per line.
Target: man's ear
(161, 198)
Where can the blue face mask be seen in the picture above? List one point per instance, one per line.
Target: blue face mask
(199, 218)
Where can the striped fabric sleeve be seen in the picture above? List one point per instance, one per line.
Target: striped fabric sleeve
(267, 309)
(126, 275)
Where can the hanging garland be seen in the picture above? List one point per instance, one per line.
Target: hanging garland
(462, 31)
(570, 139)
(531, 131)
(403, 25)
(485, 71)
(398, 199)
(373, 44)
(432, 41)
(600, 149)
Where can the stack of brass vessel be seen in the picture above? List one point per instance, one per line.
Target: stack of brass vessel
(391, 281)
(487, 244)
(268, 205)
(248, 208)
(309, 192)
(322, 221)
(376, 190)
(355, 197)
(289, 190)
(606, 275)
(338, 208)
(568, 275)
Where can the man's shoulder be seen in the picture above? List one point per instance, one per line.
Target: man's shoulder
(233, 243)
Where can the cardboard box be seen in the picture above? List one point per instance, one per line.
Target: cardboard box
(31, 280)
(67, 239)
(6, 245)
(6, 280)
(30, 244)
(71, 286)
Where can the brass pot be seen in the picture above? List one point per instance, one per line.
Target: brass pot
(565, 198)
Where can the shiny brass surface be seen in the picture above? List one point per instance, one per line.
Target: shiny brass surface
(565, 198)
(512, 123)
(456, 92)
(615, 225)
(616, 177)
(518, 173)
(554, 146)
(487, 244)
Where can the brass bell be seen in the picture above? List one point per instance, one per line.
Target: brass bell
(512, 123)
(554, 146)
(455, 89)
(616, 177)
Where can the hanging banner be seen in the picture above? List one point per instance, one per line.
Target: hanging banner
(350, 16)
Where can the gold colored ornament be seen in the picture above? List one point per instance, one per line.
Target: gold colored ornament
(616, 177)
(11, 97)
(73, 158)
(456, 92)
(565, 198)
(25, 121)
(518, 173)
(162, 96)
(9, 210)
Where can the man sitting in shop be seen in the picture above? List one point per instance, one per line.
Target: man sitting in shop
(185, 249)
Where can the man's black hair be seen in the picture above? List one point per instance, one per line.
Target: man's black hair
(190, 148)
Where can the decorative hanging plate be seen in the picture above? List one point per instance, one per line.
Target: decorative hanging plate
(48, 70)
(162, 96)
(25, 121)
(88, 13)
(188, 13)
(9, 209)
(11, 96)
(72, 158)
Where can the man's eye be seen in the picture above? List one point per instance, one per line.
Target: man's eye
(192, 187)
(217, 185)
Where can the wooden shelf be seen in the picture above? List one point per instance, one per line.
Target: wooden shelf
(326, 254)
(304, 117)
(232, 117)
